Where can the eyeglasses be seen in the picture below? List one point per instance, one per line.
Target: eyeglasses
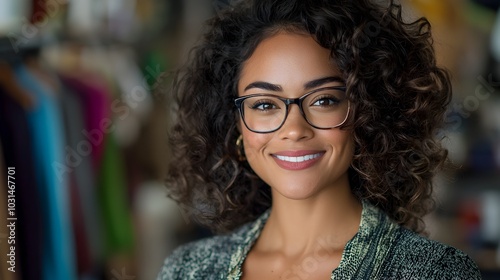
(322, 108)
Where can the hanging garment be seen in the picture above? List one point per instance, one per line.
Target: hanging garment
(107, 162)
(96, 110)
(5, 273)
(38, 11)
(17, 144)
(84, 263)
(113, 198)
(76, 147)
(84, 179)
(18, 94)
(47, 131)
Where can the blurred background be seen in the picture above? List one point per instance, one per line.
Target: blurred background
(83, 117)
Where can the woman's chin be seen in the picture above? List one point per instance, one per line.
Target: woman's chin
(295, 192)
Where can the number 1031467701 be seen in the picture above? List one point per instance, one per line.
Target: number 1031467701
(11, 193)
(11, 218)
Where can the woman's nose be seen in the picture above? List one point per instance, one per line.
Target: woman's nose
(295, 127)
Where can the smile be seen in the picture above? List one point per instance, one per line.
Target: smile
(298, 159)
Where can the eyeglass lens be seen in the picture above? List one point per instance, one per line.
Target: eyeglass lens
(325, 108)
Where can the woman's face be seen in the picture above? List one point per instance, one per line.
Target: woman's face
(297, 161)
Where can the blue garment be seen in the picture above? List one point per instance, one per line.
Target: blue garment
(48, 146)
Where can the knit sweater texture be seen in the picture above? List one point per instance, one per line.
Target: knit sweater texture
(381, 249)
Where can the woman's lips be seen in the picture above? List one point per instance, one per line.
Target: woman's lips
(297, 160)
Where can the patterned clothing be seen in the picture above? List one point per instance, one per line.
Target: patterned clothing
(381, 249)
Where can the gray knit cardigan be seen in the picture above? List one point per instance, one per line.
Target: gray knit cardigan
(381, 249)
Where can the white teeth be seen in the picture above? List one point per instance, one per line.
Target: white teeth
(298, 159)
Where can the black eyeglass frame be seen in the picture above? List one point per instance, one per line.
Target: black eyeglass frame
(238, 102)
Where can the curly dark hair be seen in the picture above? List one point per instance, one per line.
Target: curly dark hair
(398, 96)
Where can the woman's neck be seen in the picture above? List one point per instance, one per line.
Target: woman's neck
(326, 221)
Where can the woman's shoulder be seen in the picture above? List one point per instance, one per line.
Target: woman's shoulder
(414, 255)
(206, 258)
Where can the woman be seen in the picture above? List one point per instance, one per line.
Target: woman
(305, 130)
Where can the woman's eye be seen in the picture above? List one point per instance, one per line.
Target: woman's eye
(326, 101)
(264, 106)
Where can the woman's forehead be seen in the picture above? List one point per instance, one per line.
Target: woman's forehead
(287, 59)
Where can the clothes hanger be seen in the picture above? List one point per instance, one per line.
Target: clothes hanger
(10, 57)
(8, 82)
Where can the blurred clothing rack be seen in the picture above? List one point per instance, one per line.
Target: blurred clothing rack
(11, 54)
(7, 52)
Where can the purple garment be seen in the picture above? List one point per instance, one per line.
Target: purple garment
(96, 107)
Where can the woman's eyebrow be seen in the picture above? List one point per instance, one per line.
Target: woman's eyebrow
(321, 81)
(309, 85)
(264, 85)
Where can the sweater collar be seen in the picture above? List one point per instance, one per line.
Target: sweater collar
(355, 251)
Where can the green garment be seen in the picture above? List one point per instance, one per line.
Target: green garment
(113, 199)
(381, 249)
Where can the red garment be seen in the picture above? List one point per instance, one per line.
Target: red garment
(84, 262)
(38, 12)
